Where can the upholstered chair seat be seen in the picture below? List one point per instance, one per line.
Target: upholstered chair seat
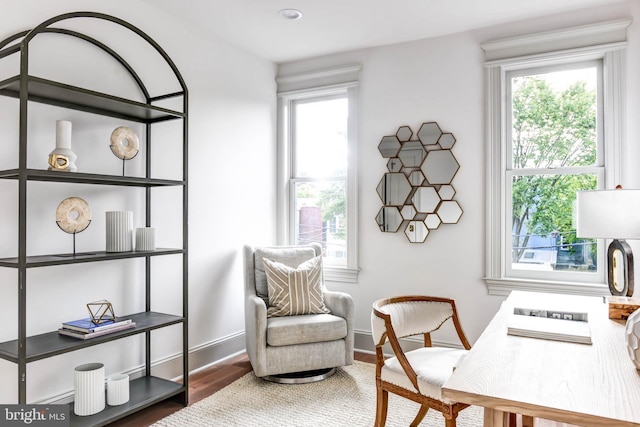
(293, 323)
(433, 366)
(307, 328)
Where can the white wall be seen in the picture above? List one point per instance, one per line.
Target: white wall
(231, 181)
(441, 79)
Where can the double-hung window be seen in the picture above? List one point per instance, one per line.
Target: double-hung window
(554, 127)
(554, 149)
(317, 184)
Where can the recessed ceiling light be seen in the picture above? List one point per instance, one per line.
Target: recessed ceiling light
(290, 14)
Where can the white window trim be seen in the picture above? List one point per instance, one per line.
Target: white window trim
(349, 273)
(612, 54)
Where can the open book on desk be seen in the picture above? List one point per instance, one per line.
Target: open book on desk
(550, 325)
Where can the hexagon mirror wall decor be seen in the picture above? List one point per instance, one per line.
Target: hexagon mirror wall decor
(417, 192)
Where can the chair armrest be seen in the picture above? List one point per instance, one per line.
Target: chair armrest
(340, 304)
(255, 329)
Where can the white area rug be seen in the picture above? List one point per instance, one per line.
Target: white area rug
(348, 399)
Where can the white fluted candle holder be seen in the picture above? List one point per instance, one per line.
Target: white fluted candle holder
(145, 239)
(88, 382)
(119, 231)
(117, 389)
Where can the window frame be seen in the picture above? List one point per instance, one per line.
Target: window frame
(597, 169)
(500, 281)
(286, 179)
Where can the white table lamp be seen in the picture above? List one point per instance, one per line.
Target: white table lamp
(611, 214)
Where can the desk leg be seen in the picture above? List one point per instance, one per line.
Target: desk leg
(495, 418)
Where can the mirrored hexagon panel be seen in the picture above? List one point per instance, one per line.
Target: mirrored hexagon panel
(449, 212)
(416, 231)
(394, 189)
(425, 199)
(440, 167)
(404, 133)
(446, 141)
(416, 178)
(394, 165)
(408, 212)
(389, 219)
(412, 154)
(432, 221)
(446, 192)
(429, 133)
(389, 146)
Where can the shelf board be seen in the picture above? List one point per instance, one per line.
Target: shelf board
(79, 257)
(77, 98)
(143, 392)
(88, 178)
(52, 343)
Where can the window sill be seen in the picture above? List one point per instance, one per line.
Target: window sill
(504, 286)
(341, 274)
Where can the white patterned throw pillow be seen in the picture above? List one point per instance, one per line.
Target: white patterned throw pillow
(295, 291)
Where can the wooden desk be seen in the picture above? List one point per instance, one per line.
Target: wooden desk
(589, 385)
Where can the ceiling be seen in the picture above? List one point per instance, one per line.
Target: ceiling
(330, 26)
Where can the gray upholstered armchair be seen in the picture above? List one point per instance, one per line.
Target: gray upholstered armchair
(294, 348)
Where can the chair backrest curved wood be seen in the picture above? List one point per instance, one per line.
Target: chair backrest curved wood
(404, 316)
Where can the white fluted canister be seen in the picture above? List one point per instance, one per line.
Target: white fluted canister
(88, 382)
(145, 239)
(117, 389)
(119, 231)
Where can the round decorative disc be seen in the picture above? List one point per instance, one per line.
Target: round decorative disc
(73, 215)
(124, 143)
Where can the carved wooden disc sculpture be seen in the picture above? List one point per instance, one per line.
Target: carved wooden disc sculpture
(73, 215)
(124, 143)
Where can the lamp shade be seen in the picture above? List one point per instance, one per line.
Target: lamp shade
(608, 214)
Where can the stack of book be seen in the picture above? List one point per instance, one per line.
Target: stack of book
(85, 329)
(550, 325)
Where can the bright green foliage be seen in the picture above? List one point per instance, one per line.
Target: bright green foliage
(551, 129)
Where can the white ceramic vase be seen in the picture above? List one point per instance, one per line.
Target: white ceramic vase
(63, 158)
(145, 239)
(89, 389)
(119, 231)
(117, 389)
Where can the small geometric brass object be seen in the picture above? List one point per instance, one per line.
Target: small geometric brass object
(58, 162)
(101, 312)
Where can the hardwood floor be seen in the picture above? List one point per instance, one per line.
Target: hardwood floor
(214, 378)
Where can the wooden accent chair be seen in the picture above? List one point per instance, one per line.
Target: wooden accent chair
(417, 374)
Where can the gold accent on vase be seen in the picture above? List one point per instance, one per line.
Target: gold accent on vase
(58, 162)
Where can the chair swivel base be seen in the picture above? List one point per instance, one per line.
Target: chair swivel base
(301, 377)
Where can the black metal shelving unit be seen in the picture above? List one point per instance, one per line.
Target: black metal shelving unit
(147, 390)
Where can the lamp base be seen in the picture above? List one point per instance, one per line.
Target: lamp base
(620, 268)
